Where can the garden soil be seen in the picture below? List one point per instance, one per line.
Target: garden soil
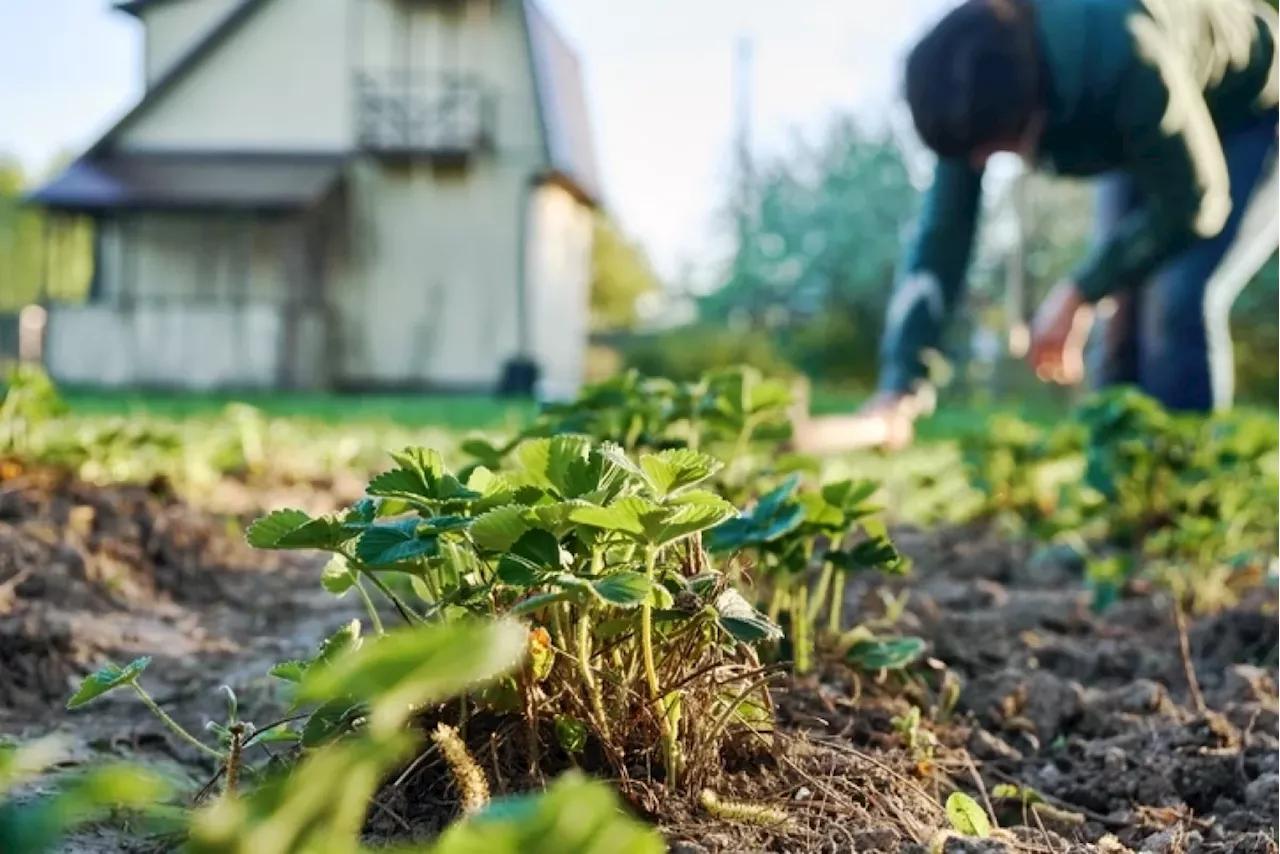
(1135, 735)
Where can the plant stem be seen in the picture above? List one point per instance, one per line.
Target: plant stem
(820, 592)
(777, 601)
(369, 606)
(651, 673)
(174, 725)
(589, 678)
(410, 616)
(800, 628)
(835, 615)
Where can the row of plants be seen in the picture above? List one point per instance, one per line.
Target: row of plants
(192, 453)
(1126, 489)
(617, 578)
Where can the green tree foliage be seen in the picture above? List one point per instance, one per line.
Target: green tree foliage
(621, 276)
(37, 250)
(824, 238)
(827, 234)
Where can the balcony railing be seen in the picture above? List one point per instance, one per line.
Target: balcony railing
(424, 115)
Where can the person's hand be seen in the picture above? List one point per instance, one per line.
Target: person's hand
(1058, 335)
(885, 421)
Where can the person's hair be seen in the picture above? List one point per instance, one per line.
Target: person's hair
(975, 79)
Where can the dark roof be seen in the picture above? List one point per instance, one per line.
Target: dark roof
(562, 104)
(137, 7)
(557, 79)
(264, 182)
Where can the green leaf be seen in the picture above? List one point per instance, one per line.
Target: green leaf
(333, 719)
(394, 543)
(290, 671)
(743, 622)
(571, 733)
(967, 817)
(885, 654)
(38, 826)
(570, 467)
(624, 589)
(848, 495)
(658, 525)
(500, 528)
(415, 666)
(107, 678)
(574, 815)
(534, 554)
(294, 529)
(421, 479)
(672, 472)
(484, 452)
(337, 576)
(347, 637)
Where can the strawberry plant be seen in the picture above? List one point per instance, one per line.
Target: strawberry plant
(645, 641)
(791, 532)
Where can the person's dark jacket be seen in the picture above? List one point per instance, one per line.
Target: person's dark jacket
(1144, 86)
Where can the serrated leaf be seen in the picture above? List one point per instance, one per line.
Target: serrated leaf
(534, 554)
(107, 678)
(290, 671)
(393, 543)
(500, 528)
(967, 817)
(672, 472)
(337, 576)
(294, 529)
(743, 622)
(885, 654)
(624, 589)
(658, 525)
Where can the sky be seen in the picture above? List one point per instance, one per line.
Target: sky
(659, 77)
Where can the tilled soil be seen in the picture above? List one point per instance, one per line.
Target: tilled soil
(1093, 713)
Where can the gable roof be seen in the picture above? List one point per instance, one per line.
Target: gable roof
(557, 78)
(562, 105)
(224, 29)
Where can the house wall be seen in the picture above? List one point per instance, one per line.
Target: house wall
(174, 345)
(424, 287)
(193, 301)
(172, 28)
(281, 82)
(428, 294)
(559, 263)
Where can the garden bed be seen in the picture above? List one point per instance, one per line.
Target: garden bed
(1096, 714)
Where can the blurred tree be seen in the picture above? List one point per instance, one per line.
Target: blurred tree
(621, 276)
(818, 265)
(827, 230)
(36, 250)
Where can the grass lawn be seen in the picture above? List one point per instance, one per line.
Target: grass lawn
(449, 412)
(953, 419)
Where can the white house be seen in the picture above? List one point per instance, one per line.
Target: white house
(328, 194)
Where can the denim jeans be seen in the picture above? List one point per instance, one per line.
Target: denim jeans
(1170, 336)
